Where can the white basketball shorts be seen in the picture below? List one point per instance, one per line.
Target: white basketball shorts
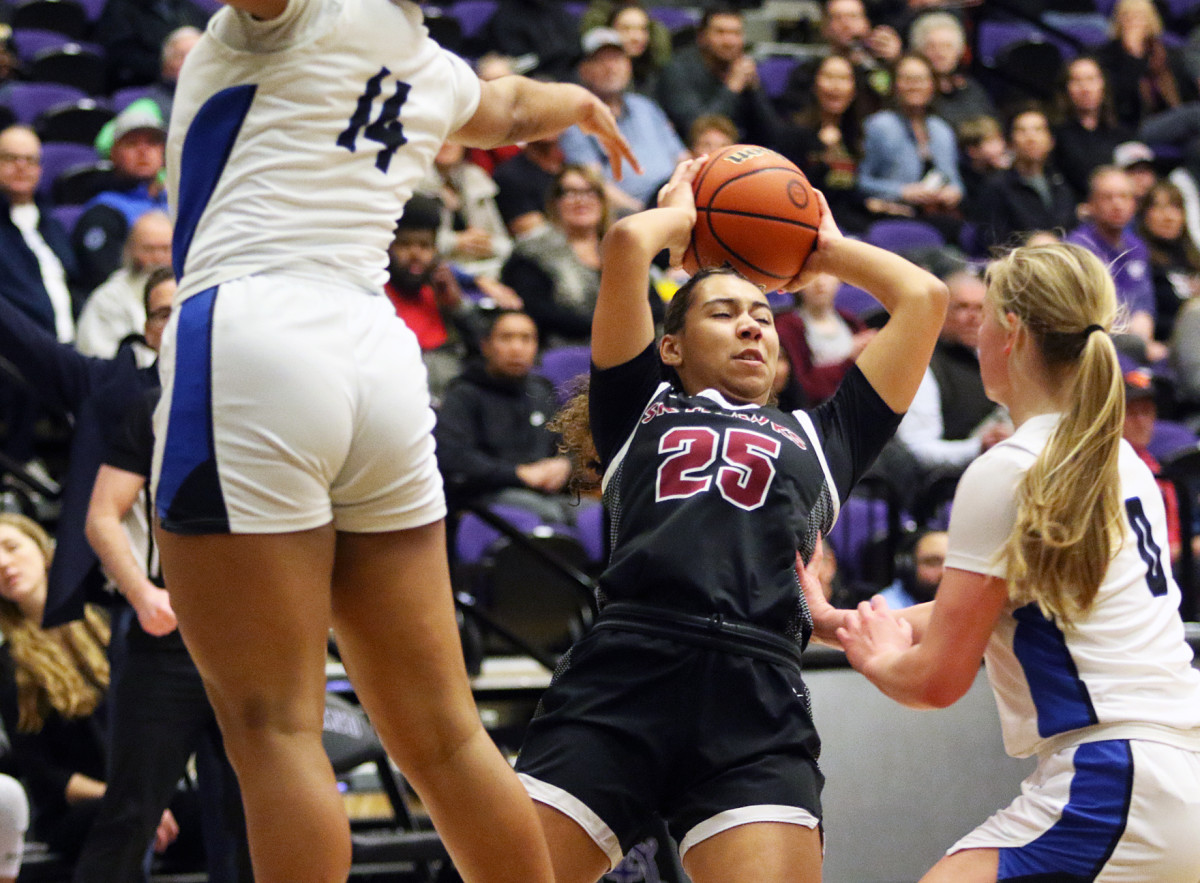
(288, 404)
(1117, 811)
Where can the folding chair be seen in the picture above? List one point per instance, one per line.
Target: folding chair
(78, 184)
(68, 17)
(79, 121)
(395, 844)
(72, 65)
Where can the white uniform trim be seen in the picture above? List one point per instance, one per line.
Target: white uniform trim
(745, 815)
(811, 431)
(575, 809)
(14, 822)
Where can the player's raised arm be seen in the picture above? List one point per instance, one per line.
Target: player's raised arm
(513, 109)
(895, 360)
(622, 325)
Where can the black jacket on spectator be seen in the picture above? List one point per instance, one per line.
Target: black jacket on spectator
(541, 28)
(96, 393)
(523, 187)
(1009, 205)
(1078, 151)
(687, 88)
(45, 761)
(964, 403)
(488, 426)
(1124, 73)
(20, 275)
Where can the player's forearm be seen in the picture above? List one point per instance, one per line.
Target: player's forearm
(542, 110)
(111, 545)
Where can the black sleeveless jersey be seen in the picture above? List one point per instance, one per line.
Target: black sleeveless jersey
(709, 501)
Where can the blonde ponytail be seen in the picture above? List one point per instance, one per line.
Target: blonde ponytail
(1069, 522)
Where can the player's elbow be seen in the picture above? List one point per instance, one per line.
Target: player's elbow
(943, 689)
(936, 296)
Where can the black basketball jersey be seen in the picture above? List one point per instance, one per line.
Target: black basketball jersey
(709, 500)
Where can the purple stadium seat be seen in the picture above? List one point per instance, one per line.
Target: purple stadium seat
(1090, 29)
(1170, 438)
(472, 15)
(29, 100)
(122, 98)
(58, 156)
(675, 18)
(861, 521)
(589, 526)
(903, 235)
(93, 8)
(855, 300)
(67, 215)
(773, 73)
(474, 536)
(781, 301)
(562, 365)
(28, 42)
(995, 36)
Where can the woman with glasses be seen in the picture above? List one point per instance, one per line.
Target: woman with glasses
(556, 270)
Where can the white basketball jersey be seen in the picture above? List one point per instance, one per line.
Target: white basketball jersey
(1126, 663)
(294, 143)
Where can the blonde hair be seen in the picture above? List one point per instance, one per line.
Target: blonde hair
(63, 669)
(1069, 522)
(1154, 20)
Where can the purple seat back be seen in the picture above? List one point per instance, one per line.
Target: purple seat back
(1170, 438)
(58, 156)
(562, 365)
(474, 537)
(903, 235)
(29, 100)
(472, 15)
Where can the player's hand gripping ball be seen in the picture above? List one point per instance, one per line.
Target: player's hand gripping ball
(755, 212)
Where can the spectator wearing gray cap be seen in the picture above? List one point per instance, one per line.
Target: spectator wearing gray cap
(137, 154)
(607, 72)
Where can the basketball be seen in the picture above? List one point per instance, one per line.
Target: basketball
(755, 212)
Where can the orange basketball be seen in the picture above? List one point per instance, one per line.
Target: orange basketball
(755, 212)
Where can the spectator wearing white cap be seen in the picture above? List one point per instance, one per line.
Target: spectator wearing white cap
(1137, 159)
(137, 154)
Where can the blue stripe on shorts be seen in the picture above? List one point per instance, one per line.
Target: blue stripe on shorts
(1079, 844)
(189, 498)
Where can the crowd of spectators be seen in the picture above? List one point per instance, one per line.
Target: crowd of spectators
(889, 112)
